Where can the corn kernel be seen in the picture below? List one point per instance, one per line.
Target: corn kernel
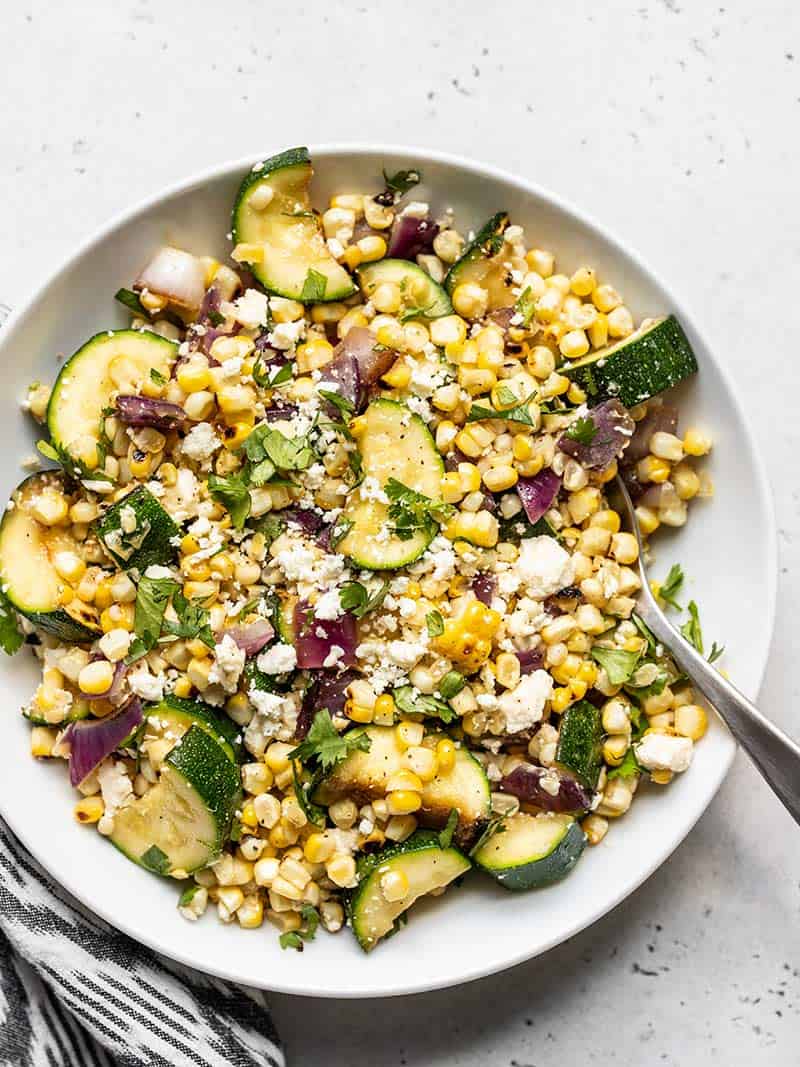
(193, 376)
(470, 300)
(96, 678)
(691, 721)
(394, 886)
(403, 802)
(696, 443)
(409, 734)
(89, 810)
(561, 699)
(445, 755)
(342, 870)
(398, 376)
(498, 479)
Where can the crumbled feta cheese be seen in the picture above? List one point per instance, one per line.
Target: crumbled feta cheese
(417, 209)
(522, 706)
(201, 443)
(406, 654)
(278, 659)
(329, 605)
(251, 309)
(231, 368)
(155, 570)
(127, 518)
(285, 335)
(267, 721)
(663, 752)
(334, 656)
(115, 785)
(551, 783)
(148, 686)
(371, 489)
(228, 664)
(406, 607)
(543, 566)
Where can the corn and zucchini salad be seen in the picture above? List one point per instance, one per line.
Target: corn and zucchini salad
(328, 592)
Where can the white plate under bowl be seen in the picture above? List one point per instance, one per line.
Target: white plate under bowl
(727, 550)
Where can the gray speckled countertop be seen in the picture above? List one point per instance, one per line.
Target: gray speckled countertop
(673, 121)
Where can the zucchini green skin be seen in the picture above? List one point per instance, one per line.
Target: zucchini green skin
(394, 444)
(185, 713)
(371, 916)
(25, 559)
(580, 742)
(71, 716)
(181, 824)
(647, 363)
(531, 871)
(293, 167)
(83, 388)
(485, 243)
(401, 272)
(155, 546)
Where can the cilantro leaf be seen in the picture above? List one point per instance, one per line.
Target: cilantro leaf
(286, 453)
(619, 665)
(340, 531)
(452, 684)
(131, 301)
(11, 637)
(193, 620)
(283, 374)
(152, 597)
(692, 629)
(411, 511)
(435, 623)
(417, 311)
(520, 412)
(397, 185)
(296, 938)
(716, 652)
(340, 402)
(446, 834)
(233, 494)
(325, 746)
(526, 305)
(411, 702)
(582, 430)
(314, 287)
(313, 812)
(646, 632)
(355, 598)
(629, 766)
(157, 377)
(216, 318)
(49, 451)
(671, 585)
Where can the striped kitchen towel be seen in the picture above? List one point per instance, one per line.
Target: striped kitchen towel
(74, 992)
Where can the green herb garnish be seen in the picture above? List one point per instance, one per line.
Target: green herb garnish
(435, 623)
(11, 637)
(628, 768)
(526, 305)
(671, 585)
(692, 630)
(302, 791)
(356, 598)
(233, 494)
(314, 287)
(340, 531)
(152, 597)
(412, 702)
(157, 377)
(325, 746)
(582, 430)
(446, 834)
(619, 665)
(131, 301)
(398, 184)
(520, 412)
(451, 685)
(193, 620)
(411, 511)
(296, 938)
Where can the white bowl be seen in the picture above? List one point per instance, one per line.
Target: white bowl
(727, 550)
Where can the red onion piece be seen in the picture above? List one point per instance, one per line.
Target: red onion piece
(484, 586)
(147, 411)
(280, 409)
(502, 317)
(209, 309)
(356, 365)
(120, 670)
(411, 237)
(342, 376)
(538, 493)
(530, 659)
(525, 782)
(316, 637)
(613, 431)
(309, 521)
(327, 690)
(175, 274)
(91, 741)
(250, 637)
(661, 417)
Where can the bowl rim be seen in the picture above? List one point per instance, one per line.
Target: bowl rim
(765, 504)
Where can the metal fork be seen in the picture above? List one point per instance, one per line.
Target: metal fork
(775, 755)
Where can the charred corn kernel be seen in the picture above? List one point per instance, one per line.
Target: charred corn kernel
(117, 617)
(193, 376)
(561, 699)
(696, 443)
(476, 380)
(250, 913)
(318, 848)
(691, 721)
(624, 548)
(248, 815)
(409, 734)
(447, 245)
(451, 488)
(343, 813)
(377, 216)
(605, 298)
(189, 545)
(50, 507)
(205, 591)
(583, 504)
(497, 479)
(277, 757)
(352, 257)
(341, 870)
(384, 708)
(416, 337)
(666, 446)
(595, 827)
(248, 253)
(686, 481)
(284, 834)
(583, 281)
(372, 247)
(648, 520)
(574, 344)
(575, 394)
(198, 671)
(404, 779)
(199, 570)
(422, 762)
(182, 688)
(267, 810)
(89, 809)
(394, 886)
(354, 317)
(403, 802)
(313, 354)
(528, 468)
(447, 397)
(69, 566)
(449, 329)
(96, 678)
(141, 463)
(467, 639)
(445, 755)
(661, 777)
(327, 313)
(358, 712)
(387, 298)
(470, 300)
(398, 376)
(620, 322)
(541, 362)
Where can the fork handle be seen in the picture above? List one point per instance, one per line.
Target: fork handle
(775, 754)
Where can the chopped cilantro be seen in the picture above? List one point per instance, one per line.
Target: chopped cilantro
(692, 630)
(619, 665)
(296, 938)
(628, 767)
(131, 301)
(411, 702)
(356, 598)
(520, 412)
(582, 430)
(340, 531)
(11, 637)
(411, 511)
(526, 305)
(302, 791)
(446, 835)
(325, 746)
(233, 494)
(283, 374)
(646, 632)
(157, 377)
(314, 287)
(397, 185)
(152, 597)
(435, 623)
(671, 585)
(340, 402)
(451, 685)
(193, 620)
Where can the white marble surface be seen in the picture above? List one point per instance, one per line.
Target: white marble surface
(673, 121)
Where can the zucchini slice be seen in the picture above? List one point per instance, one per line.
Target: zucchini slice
(531, 851)
(479, 263)
(174, 716)
(580, 742)
(79, 709)
(116, 361)
(27, 571)
(419, 292)
(394, 443)
(290, 257)
(136, 531)
(426, 867)
(363, 777)
(181, 824)
(654, 358)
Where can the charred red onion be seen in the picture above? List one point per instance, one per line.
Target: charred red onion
(662, 418)
(317, 639)
(176, 275)
(93, 740)
(538, 493)
(327, 690)
(411, 237)
(250, 637)
(525, 782)
(147, 411)
(484, 586)
(608, 437)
